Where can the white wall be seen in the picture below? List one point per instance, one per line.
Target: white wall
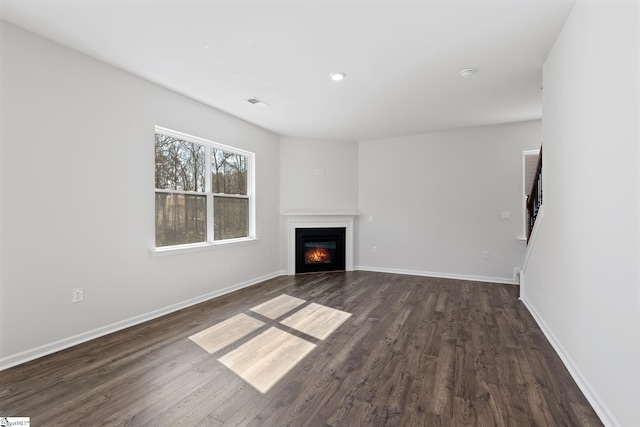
(318, 175)
(436, 201)
(78, 199)
(582, 281)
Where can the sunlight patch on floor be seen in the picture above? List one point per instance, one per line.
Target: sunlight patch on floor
(264, 360)
(316, 320)
(278, 306)
(267, 357)
(221, 335)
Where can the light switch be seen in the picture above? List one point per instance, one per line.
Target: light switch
(504, 216)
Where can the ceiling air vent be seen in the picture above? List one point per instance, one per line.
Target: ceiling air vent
(257, 102)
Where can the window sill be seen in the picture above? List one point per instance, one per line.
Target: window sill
(199, 247)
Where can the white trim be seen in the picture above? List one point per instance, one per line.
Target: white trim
(502, 280)
(44, 350)
(251, 192)
(199, 247)
(516, 274)
(606, 416)
(319, 220)
(207, 187)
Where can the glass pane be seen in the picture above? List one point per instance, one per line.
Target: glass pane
(180, 165)
(230, 218)
(180, 219)
(228, 172)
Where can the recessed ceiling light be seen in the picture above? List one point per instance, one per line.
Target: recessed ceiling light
(467, 72)
(337, 76)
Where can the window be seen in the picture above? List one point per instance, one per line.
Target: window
(203, 190)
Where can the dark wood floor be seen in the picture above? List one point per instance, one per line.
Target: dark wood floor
(416, 352)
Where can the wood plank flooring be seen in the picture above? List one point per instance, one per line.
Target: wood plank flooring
(416, 351)
(224, 333)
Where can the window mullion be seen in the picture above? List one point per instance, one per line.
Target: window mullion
(251, 183)
(188, 193)
(208, 190)
(234, 196)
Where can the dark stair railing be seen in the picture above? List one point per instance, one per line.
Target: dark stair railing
(534, 199)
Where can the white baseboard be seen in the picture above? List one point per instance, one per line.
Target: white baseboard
(31, 354)
(507, 281)
(601, 409)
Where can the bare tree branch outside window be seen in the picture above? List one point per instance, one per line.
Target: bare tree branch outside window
(229, 177)
(180, 166)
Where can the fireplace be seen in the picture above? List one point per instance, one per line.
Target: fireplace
(320, 249)
(308, 220)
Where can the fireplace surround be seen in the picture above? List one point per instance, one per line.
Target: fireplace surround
(319, 221)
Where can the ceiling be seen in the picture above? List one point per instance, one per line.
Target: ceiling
(402, 58)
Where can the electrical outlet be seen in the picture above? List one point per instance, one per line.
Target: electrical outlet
(374, 249)
(485, 255)
(77, 295)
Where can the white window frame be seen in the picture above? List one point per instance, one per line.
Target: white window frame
(250, 196)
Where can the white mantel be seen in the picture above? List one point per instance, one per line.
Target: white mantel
(319, 220)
